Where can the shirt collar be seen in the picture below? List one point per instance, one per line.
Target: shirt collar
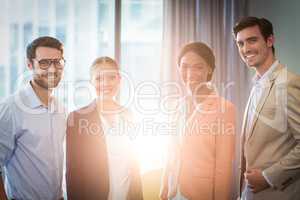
(33, 99)
(35, 102)
(266, 76)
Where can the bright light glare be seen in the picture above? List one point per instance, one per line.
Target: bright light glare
(151, 144)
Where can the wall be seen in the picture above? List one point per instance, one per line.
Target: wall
(285, 16)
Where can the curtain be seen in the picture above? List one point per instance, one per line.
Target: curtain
(211, 22)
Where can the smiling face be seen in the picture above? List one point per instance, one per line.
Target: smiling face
(194, 71)
(254, 50)
(106, 80)
(46, 78)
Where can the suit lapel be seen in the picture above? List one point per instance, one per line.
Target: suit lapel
(95, 119)
(245, 118)
(268, 86)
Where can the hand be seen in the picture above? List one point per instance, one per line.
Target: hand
(164, 193)
(256, 180)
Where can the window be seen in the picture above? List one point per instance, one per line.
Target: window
(88, 29)
(141, 38)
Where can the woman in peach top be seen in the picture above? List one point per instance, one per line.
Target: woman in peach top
(199, 166)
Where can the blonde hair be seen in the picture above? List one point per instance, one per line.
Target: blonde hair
(105, 60)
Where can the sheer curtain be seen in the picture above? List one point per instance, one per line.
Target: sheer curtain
(209, 21)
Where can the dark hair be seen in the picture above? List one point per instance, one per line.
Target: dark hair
(44, 41)
(264, 25)
(202, 50)
(103, 60)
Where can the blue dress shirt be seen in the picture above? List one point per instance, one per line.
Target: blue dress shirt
(31, 146)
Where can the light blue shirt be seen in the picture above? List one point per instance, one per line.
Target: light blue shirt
(259, 85)
(31, 146)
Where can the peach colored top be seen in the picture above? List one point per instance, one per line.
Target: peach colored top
(207, 151)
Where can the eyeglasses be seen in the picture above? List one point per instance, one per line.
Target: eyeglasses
(46, 63)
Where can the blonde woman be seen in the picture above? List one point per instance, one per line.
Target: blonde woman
(100, 161)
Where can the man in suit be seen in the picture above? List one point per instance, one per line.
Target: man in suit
(270, 155)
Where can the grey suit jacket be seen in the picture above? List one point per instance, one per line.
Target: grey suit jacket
(273, 141)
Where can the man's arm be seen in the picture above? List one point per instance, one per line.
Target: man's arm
(7, 140)
(284, 171)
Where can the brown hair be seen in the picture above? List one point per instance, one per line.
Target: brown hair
(45, 41)
(202, 50)
(264, 25)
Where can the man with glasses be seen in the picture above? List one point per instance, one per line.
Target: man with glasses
(32, 129)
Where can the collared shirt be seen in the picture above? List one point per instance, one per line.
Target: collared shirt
(259, 85)
(31, 146)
